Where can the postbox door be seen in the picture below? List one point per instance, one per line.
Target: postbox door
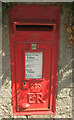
(32, 76)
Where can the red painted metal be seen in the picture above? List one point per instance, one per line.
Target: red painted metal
(34, 24)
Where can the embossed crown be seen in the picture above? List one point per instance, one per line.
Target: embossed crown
(35, 87)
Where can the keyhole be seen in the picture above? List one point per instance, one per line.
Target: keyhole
(24, 83)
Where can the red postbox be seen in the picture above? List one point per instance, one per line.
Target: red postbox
(34, 35)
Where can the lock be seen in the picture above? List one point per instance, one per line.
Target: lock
(24, 83)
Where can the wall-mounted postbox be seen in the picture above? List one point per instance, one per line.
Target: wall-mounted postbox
(34, 35)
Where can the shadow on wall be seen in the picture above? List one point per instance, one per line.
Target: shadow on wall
(6, 75)
(65, 77)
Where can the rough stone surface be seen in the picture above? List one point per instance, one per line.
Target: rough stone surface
(64, 88)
